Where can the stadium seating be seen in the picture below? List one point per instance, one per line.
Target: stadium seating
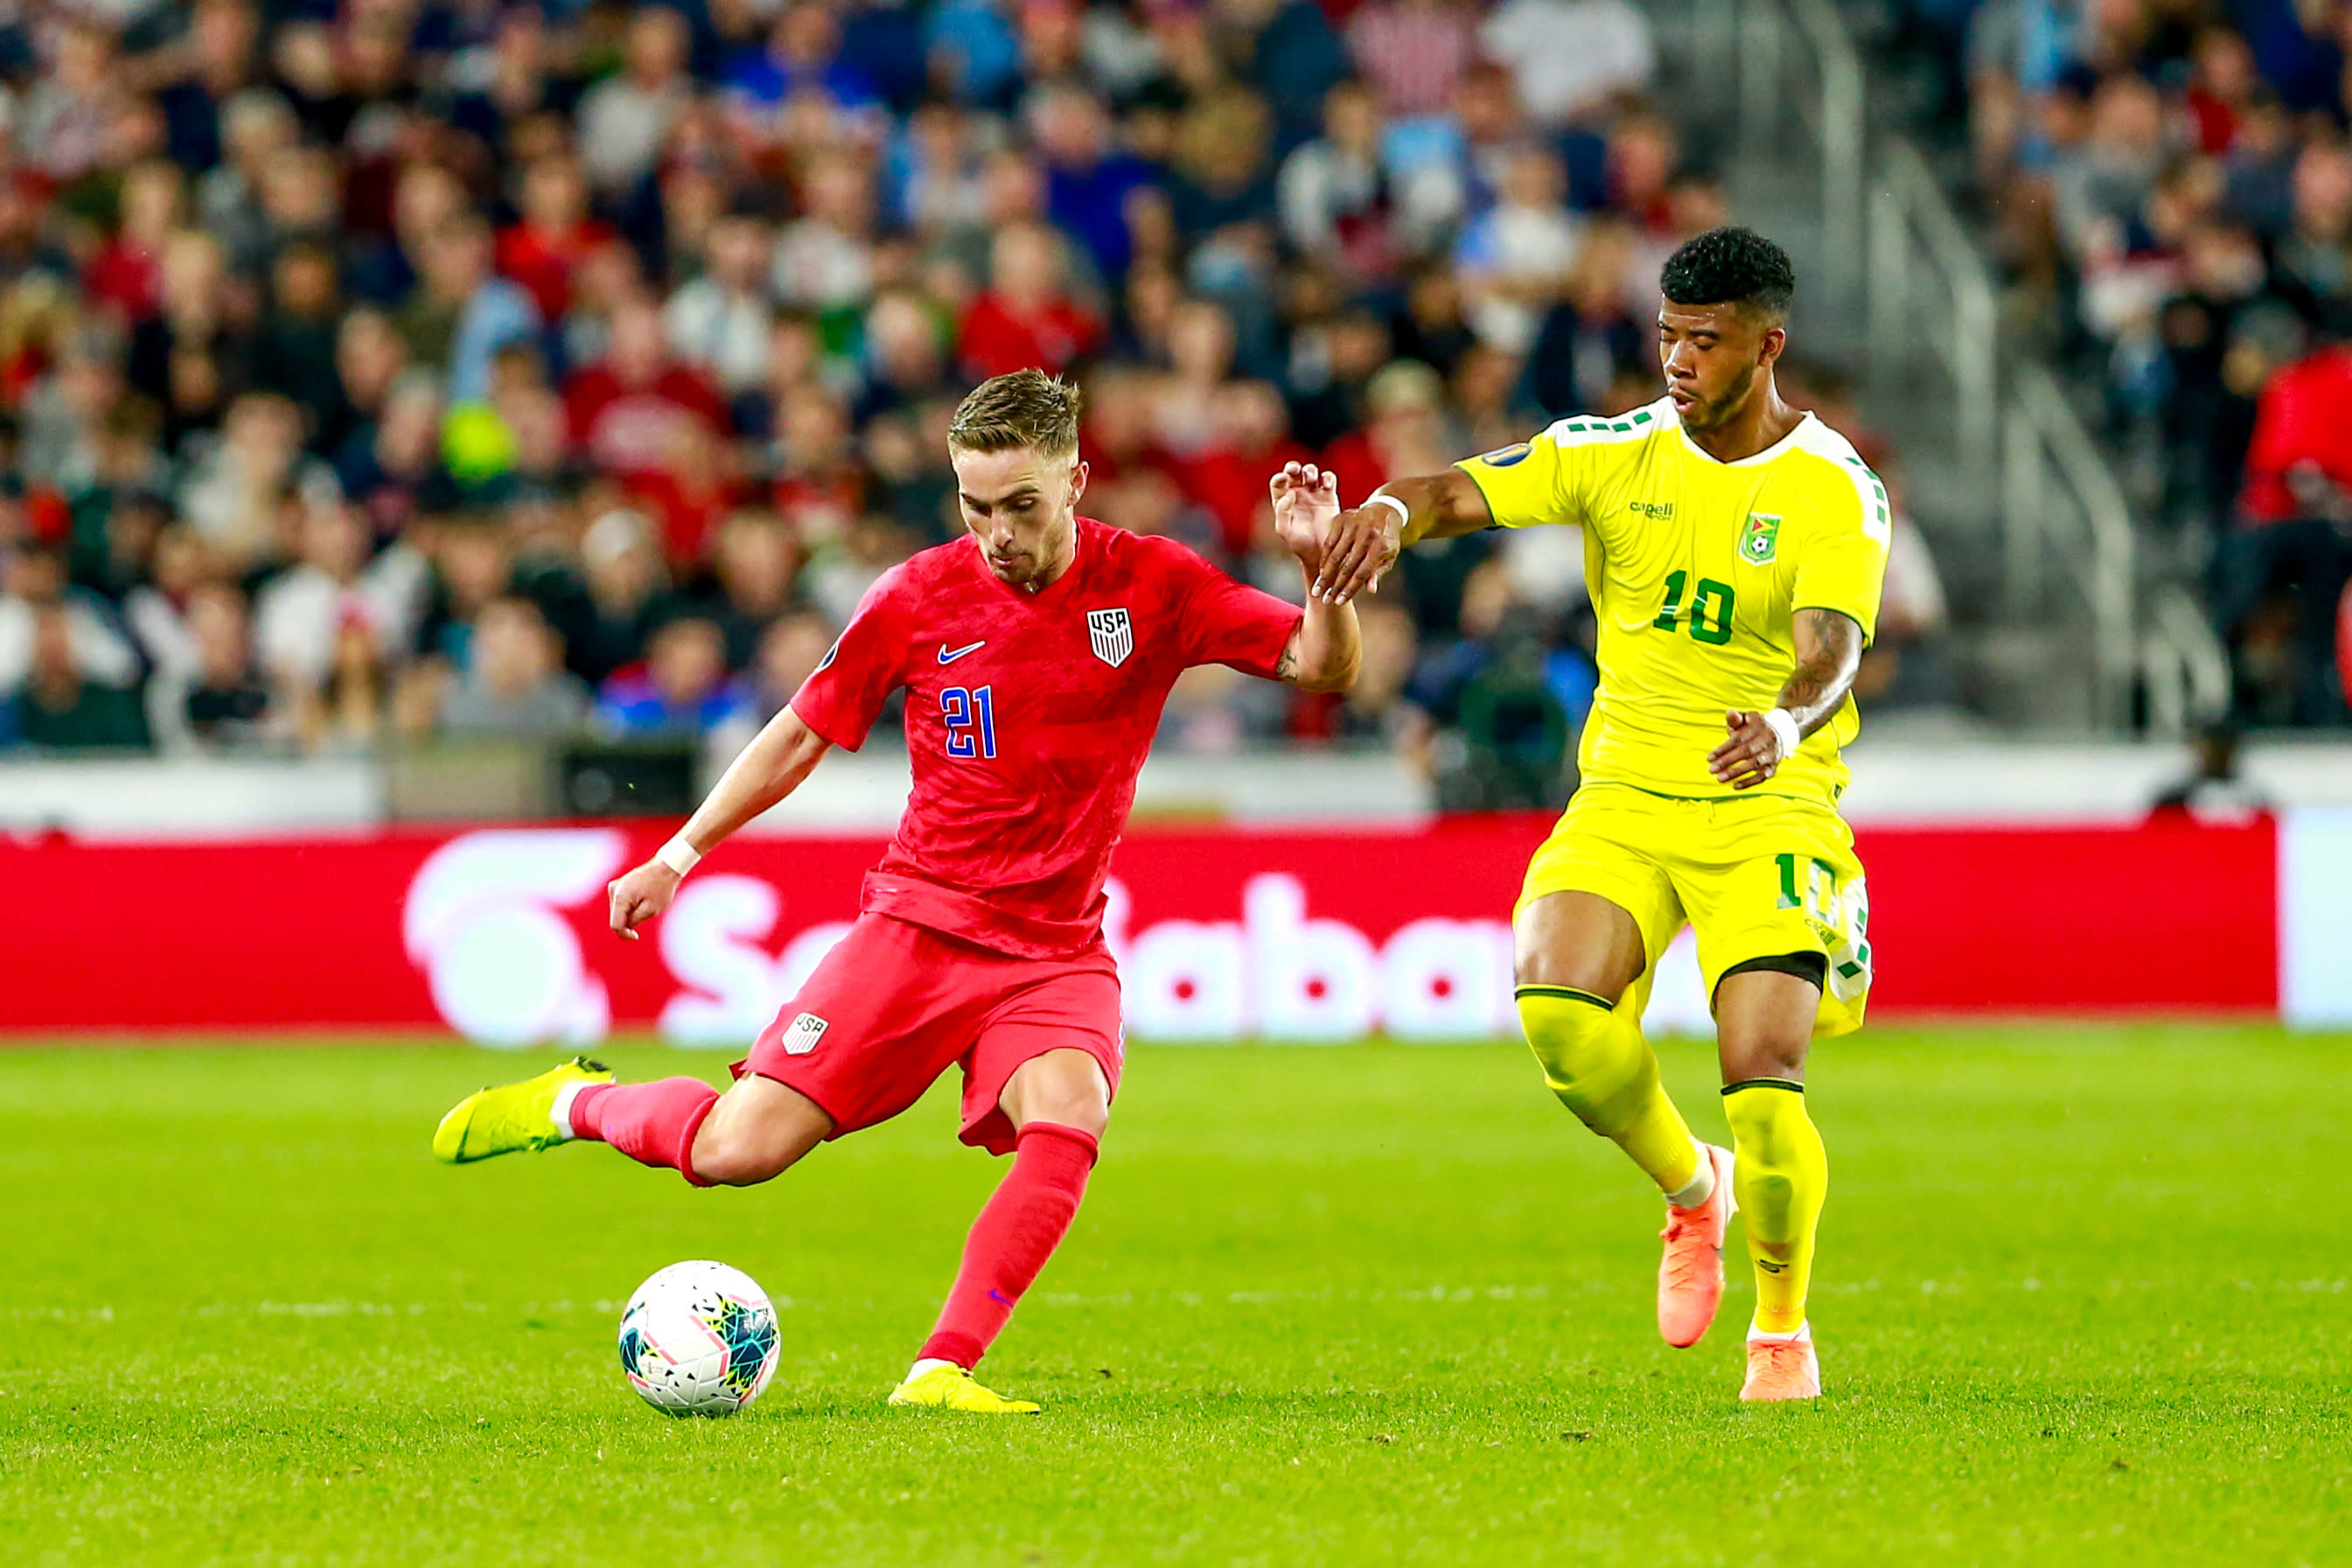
(390, 371)
(2168, 193)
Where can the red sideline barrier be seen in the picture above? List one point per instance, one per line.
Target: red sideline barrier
(1317, 935)
(2169, 917)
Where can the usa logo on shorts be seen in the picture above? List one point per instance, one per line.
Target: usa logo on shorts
(802, 1037)
(1113, 635)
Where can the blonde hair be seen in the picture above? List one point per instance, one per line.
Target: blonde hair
(1025, 409)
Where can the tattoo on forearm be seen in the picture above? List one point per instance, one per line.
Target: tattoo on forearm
(1286, 667)
(1829, 651)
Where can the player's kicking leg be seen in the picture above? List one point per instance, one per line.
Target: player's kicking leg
(1057, 1105)
(752, 1133)
(1038, 1082)
(761, 1128)
(1764, 1021)
(1578, 955)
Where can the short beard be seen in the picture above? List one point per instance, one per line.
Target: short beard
(1714, 412)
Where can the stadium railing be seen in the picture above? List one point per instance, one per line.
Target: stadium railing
(2061, 507)
(1793, 61)
(1917, 240)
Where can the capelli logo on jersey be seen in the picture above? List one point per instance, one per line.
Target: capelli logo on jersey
(1656, 511)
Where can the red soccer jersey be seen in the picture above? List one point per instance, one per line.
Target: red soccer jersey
(629, 430)
(2300, 419)
(1028, 716)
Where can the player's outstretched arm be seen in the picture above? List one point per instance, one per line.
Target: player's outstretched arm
(1829, 651)
(765, 772)
(1325, 652)
(1363, 541)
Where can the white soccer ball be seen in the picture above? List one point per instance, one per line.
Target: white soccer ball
(698, 1339)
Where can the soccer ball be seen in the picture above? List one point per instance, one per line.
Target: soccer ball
(698, 1339)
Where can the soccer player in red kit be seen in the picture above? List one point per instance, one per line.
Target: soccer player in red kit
(1036, 654)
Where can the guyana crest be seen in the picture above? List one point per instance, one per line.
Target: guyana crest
(1759, 539)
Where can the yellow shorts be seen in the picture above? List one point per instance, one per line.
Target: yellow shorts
(1757, 877)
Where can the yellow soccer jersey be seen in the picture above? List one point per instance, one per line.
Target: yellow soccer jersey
(1696, 568)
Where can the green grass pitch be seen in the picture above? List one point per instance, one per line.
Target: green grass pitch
(2082, 1298)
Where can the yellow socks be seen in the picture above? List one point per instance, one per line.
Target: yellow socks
(1595, 1060)
(1780, 1179)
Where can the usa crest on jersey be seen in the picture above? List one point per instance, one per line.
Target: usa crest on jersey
(1113, 635)
(806, 1031)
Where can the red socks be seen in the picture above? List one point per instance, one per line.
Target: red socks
(1017, 1231)
(652, 1123)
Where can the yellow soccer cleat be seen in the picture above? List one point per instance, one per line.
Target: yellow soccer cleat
(950, 1387)
(513, 1118)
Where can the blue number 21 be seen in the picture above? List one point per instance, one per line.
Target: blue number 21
(965, 709)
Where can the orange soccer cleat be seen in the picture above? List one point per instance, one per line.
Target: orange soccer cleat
(1690, 1276)
(1782, 1367)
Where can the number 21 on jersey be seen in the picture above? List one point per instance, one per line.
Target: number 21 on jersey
(971, 718)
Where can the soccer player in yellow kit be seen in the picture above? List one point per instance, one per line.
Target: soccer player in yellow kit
(1733, 547)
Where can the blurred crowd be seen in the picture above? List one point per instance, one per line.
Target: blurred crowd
(374, 370)
(2171, 186)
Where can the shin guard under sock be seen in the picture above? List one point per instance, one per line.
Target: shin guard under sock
(1018, 1229)
(1781, 1175)
(1595, 1060)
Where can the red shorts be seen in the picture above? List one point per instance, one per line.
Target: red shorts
(894, 1005)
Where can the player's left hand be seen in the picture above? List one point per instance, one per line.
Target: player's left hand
(1750, 756)
(1306, 499)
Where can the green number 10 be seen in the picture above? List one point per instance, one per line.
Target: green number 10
(1710, 612)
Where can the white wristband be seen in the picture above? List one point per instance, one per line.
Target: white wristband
(679, 855)
(1404, 512)
(1783, 725)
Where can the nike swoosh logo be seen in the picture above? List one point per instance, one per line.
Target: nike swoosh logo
(948, 658)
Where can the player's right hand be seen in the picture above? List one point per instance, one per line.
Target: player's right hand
(640, 896)
(1306, 499)
(1362, 544)
(1750, 754)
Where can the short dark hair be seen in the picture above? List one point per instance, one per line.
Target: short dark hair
(1025, 409)
(1731, 266)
